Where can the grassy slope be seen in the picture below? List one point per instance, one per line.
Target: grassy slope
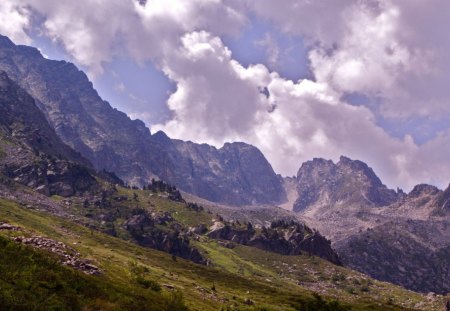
(33, 280)
(268, 279)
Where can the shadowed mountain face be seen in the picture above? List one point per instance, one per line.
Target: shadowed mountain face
(30, 151)
(235, 174)
(20, 118)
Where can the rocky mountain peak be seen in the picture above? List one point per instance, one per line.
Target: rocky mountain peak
(423, 190)
(349, 182)
(161, 138)
(5, 42)
(360, 168)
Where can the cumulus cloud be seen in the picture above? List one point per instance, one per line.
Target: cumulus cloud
(94, 31)
(219, 102)
(368, 59)
(394, 50)
(14, 20)
(222, 102)
(379, 48)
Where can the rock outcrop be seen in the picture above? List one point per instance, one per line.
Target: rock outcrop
(282, 237)
(412, 253)
(442, 202)
(142, 227)
(67, 255)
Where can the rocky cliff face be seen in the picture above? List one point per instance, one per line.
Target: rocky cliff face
(348, 182)
(411, 253)
(31, 153)
(442, 202)
(21, 119)
(235, 174)
(392, 236)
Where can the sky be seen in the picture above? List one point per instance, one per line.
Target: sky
(296, 78)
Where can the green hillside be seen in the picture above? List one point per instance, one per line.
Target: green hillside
(239, 278)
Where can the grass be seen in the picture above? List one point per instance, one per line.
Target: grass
(34, 280)
(237, 275)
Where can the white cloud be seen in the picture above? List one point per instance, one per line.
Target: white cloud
(221, 102)
(14, 20)
(218, 102)
(94, 31)
(379, 48)
(394, 50)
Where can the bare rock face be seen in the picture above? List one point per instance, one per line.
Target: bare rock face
(236, 174)
(442, 202)
(55, 177)
(389, 235)
(22, 119)
(412, 253)
(423, 190)
(33, 154)
(349, 181)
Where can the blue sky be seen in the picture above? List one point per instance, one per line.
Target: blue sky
(363, 79)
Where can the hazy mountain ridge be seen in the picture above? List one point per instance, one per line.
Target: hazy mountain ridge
(112, 141)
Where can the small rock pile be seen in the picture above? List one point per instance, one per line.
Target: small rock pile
(5, 226)
(69, 256)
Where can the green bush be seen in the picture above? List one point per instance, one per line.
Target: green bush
(319, 304)
(148, 284)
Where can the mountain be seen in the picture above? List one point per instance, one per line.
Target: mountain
(412, 253)
(110, 140)
(34, 156)
(235, 174)
(442, 203)
(389, 235)
(30, 151)
(76, 241)
(321, 182)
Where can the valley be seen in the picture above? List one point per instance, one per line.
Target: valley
(140, 221)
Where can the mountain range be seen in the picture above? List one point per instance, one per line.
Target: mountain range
(66, 152)
(390, 235)
(110, 140)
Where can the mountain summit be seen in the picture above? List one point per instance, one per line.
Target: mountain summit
(348, 182)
